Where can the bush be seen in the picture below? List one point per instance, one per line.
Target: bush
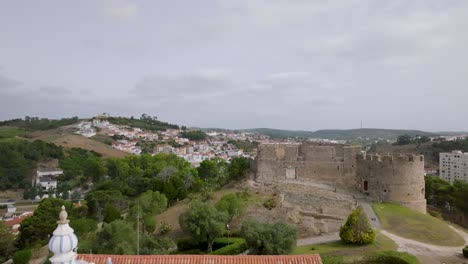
(391, 257)
(465, 252)
(165, 228)
(22, 256)
(357, 229)
(185, 244)
(270, 203)
(229, 246)
(269, 239)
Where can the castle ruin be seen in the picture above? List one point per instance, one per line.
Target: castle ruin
(396, 178)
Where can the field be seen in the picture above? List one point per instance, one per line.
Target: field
(68, 140)
(410, 224)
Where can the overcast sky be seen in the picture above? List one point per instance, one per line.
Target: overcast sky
(291, 64)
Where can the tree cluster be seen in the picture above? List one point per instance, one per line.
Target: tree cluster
(144, 122)
(407, 139)
(269, 239)
(441, 194)
(36, 123)
(18, 159)
(195, 135)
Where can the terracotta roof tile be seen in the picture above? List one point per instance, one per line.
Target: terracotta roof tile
(201, 259)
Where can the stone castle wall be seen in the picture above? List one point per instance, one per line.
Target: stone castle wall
(386, 178)
(397, 178)
(332, 164)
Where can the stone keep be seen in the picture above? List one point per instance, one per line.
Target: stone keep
(389, 178)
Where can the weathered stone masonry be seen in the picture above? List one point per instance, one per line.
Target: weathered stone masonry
(384, 178)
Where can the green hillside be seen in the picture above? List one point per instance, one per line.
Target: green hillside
(341, 134)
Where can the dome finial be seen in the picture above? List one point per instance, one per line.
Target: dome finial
(63, 216)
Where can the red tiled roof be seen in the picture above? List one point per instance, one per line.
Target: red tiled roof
(201, 259)
(17, 219)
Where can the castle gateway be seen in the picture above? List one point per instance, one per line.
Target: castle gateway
(396, 178)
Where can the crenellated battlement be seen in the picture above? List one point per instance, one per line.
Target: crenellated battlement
(395, 157)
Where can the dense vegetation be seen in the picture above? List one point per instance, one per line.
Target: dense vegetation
(245, 145)
(36, 123)
(195, 135)
(269, 239)
(357, 229)
(439, 193)
(407, 139)
(18, 159)
(390, 257)
(144, 122)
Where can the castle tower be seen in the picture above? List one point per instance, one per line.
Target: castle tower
(64, 242)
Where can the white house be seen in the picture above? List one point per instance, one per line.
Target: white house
(47, 179)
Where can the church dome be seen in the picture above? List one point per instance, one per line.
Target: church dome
(64, 242)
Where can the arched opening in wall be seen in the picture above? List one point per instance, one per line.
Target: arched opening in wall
(365, 186)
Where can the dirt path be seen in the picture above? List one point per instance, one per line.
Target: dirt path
(430, 254)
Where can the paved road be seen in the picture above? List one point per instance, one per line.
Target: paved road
(367, 208)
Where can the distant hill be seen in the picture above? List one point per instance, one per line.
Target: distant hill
(341, 134)
(144, 122)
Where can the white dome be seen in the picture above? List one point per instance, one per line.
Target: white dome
(63, 244)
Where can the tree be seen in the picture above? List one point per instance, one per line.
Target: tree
(269, 239)
(238, 167)
(42, 223)
(403, 140)
(203, 222)
(231, 204)
(94, 168)
(118, 237)
(357, 229)
(111, 213)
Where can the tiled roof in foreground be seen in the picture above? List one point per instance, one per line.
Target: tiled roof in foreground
(201, 259)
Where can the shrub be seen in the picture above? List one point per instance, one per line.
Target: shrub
(465, 252)
(269, 239)
(165, 228)
(229, 246)
(22, 256)
(185, 244)
(391, 257)
(357, 229)
(270, 203)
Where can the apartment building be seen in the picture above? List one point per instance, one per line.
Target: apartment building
(453, 166)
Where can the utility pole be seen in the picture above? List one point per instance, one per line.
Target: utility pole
(138, 227)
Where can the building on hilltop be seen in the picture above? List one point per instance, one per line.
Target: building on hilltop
(394, 178)
(64, 244)
(453, 166)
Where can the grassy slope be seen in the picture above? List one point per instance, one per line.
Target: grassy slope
(348, 252)
(10, 132)
(68, 140)
(416, 226)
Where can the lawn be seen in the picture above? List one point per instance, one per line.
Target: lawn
(347, 252)
(413, 225)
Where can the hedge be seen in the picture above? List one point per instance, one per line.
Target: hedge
(22, 256)
(465, 252)
(391, 257)
(229, 246)
(221, 246)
